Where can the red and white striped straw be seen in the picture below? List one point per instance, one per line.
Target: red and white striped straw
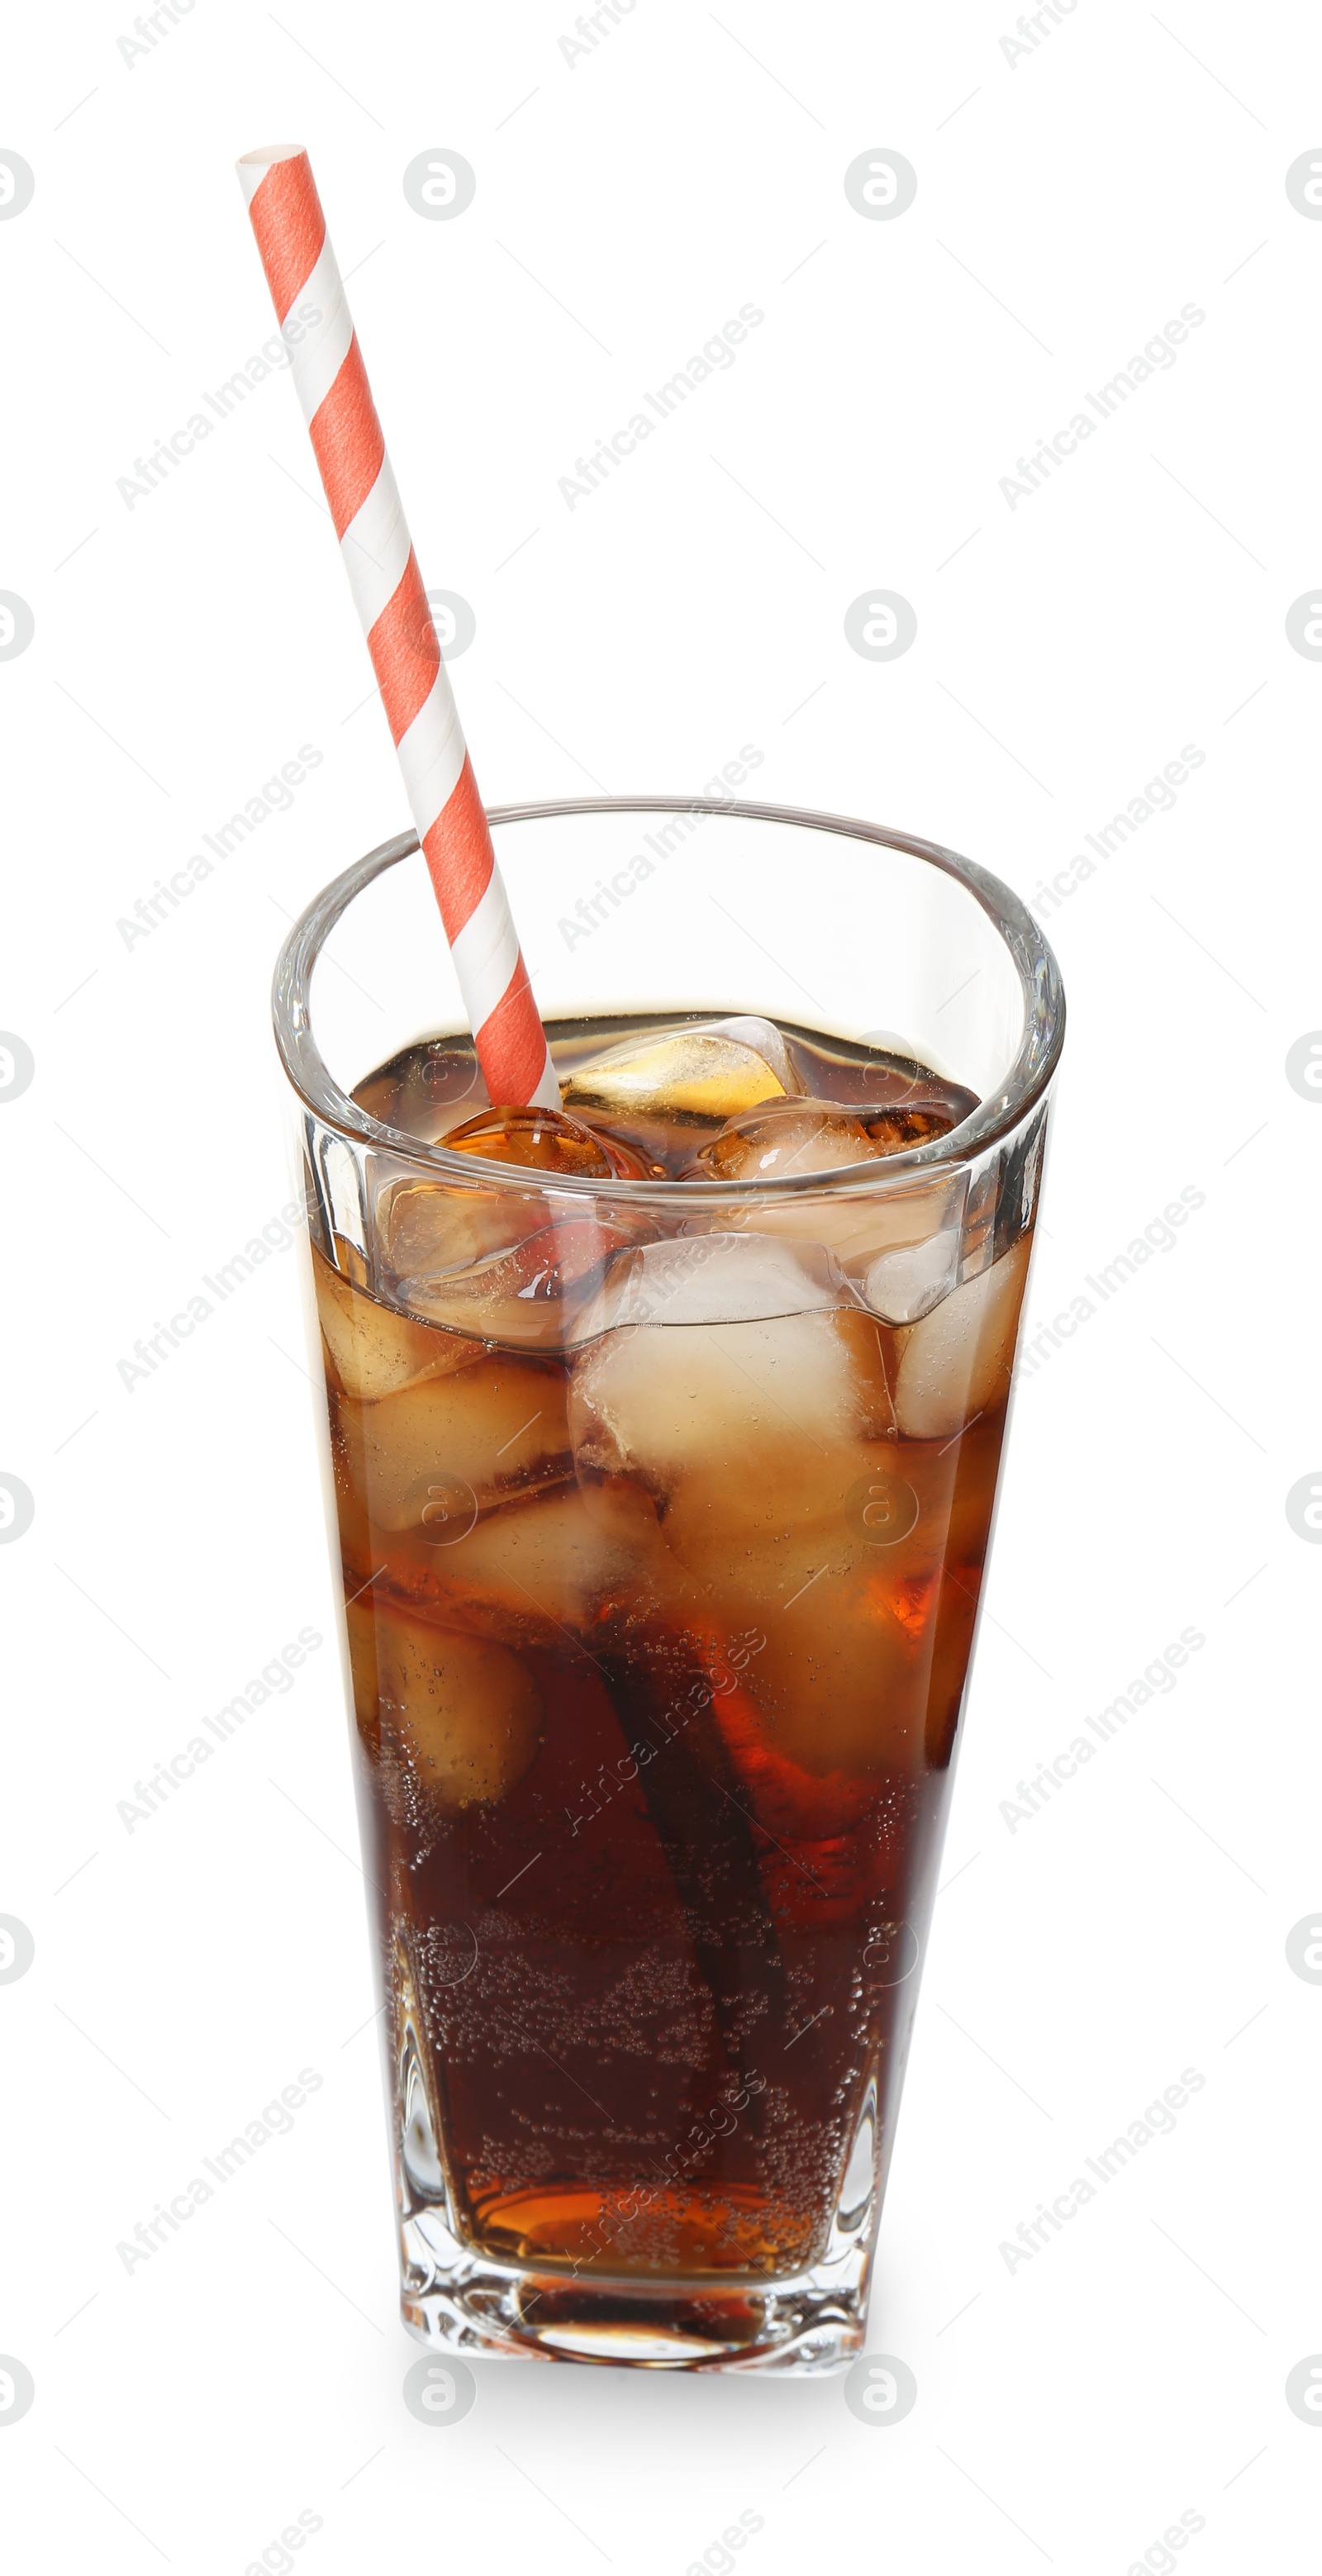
(326, 365)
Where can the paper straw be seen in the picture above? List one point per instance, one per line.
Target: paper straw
(326, 365)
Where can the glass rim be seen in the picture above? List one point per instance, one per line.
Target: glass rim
(1024, 1084)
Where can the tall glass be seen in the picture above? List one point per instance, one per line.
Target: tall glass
(663, 1510)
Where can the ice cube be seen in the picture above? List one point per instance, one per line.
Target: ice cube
(714, 1279)
(543, 1140)
(464, 1710)
(814, 1136)
(428, 1226)
(709, 1073)
(731, 1426)
(766, 1450)
(855, 1626)
(855, 1225)
(823, 1137)
(375, 1351)
(556, 1566)
(901, 1286)
(842, 1610)
(956, 1362)
(491, 1429)
(532, 1294)
(836, 1685)
(859, 1225)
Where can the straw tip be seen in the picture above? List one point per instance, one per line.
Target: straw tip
(253, 166)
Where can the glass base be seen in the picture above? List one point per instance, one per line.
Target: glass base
(455, 2300)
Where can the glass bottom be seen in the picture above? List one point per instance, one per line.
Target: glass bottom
(808, 2324)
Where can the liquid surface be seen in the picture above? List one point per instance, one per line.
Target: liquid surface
(668, 1109)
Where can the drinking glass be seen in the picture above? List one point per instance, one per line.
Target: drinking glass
(663, 1510)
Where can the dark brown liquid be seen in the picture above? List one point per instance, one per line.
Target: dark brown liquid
(654, 1767)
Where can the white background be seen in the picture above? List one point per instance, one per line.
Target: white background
(1067, 649)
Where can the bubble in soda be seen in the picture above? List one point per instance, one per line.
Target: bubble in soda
(815, 1136)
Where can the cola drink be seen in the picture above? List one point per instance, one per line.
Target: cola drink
(665, 1436)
